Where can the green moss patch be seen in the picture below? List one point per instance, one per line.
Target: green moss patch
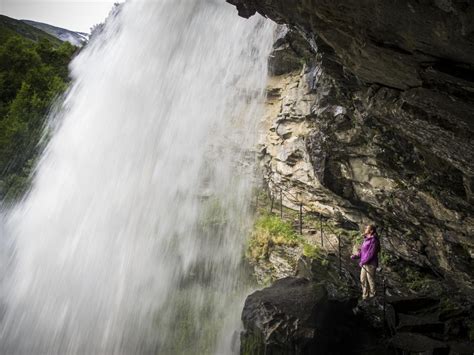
(270, 231)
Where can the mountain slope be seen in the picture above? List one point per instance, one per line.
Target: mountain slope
(33, 73)
(75, 38)
(10, 27)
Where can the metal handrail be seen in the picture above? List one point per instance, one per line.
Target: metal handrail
(301, 209)
(295, 200)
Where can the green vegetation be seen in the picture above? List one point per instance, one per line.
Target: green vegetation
(213, 213)
(10, 27)
(33, 73)
(386, 258)
(311, 251)
(470, 326)
(356, 237)
(253, 344)
(448, 305)
(269, 231)
(187, 324)
(419, 281)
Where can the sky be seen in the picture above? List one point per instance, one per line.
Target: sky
(73, 15)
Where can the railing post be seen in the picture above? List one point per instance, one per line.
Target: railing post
(339, 252)
(384, 303)
(281, 203)
(301, 218)
(256, 202)
(273, 200)
(321, 227)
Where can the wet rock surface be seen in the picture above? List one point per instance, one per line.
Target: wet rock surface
(395, 44)
(359, 154)
(373, 122)
(298, 316)
(302, 316)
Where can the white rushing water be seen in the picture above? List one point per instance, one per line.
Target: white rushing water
(131, 239)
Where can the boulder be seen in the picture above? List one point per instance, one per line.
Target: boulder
(297, 316)
(285, 317)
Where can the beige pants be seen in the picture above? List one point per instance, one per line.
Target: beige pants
(367, 280)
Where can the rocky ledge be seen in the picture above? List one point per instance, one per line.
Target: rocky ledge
(301, 316)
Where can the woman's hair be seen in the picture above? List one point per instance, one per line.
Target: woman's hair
(372, 228)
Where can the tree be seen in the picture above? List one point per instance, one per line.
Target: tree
(32, 76)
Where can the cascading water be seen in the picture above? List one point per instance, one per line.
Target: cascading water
(131, 239)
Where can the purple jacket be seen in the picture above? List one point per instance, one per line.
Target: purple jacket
(369, 251)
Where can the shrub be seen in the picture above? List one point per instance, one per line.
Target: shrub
(268, 231)
(311, 251)
(32, 75)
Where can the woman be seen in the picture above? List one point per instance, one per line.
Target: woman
(369, 260)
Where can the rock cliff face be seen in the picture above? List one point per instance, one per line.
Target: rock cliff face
(370, 119)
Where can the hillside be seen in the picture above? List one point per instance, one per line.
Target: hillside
(10, 27)
(75, 38)
(33, 73)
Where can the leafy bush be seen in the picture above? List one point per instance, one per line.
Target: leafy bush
(32, 75)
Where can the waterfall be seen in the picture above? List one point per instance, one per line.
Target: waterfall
(131, 238)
